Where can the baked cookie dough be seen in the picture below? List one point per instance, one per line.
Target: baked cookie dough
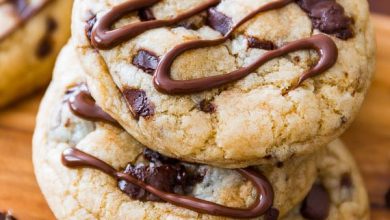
(31, 35)
(90, 194)
(286, 82)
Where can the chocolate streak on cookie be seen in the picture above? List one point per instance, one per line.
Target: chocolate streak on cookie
(103, 37)
(74, 158)
(321, 43)
(83, 105)
(24, 14)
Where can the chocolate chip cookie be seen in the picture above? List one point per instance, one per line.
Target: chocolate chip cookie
(31, 35)
(228, 83)
(88, 167)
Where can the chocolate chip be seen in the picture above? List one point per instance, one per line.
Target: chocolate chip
(387, 199)
(329, 17)
(260, 44)
(316, 204)
(146, 14)
(45, 47)
(162, 173)
(219, 21)
(346, 180)
(139, 103)
(88, 27)
(207, 106)
(279, 164)
(147, 61)
(6, 216)
(51, 25)
(271, 214)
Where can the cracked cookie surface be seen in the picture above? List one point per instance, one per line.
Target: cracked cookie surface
(31, 35)
(89, 194)
(242, 123)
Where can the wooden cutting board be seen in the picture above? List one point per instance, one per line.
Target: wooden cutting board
(368, 139)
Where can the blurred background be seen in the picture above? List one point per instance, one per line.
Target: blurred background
(368, 139)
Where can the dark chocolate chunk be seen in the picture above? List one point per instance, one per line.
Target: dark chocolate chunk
(146, 14)
(329, 17)
(139, 103)
(89, 25)
(260, 44)
(51, 25)
(279, 164)
(6, 216)
(316, 204)
(207, 106)
(387, 199)
(346, 181)
(163, 173)
(147, 61)
(219, 21)
(45, 47)
(271, 214)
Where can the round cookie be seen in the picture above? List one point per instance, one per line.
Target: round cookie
(90, 194)
(274, 110)
(31, 35)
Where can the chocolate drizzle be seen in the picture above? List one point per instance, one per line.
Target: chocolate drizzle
(24, 13)
(74, 158)
(323, 44)
(83, 105)
(105, 38)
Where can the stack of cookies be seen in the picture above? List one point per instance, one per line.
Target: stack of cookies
(206, 109)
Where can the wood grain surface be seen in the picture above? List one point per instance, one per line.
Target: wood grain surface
(368, 139)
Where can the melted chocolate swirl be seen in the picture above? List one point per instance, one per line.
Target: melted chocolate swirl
(83, 105)
(74, 158)
(103, 37)
(323, 44)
